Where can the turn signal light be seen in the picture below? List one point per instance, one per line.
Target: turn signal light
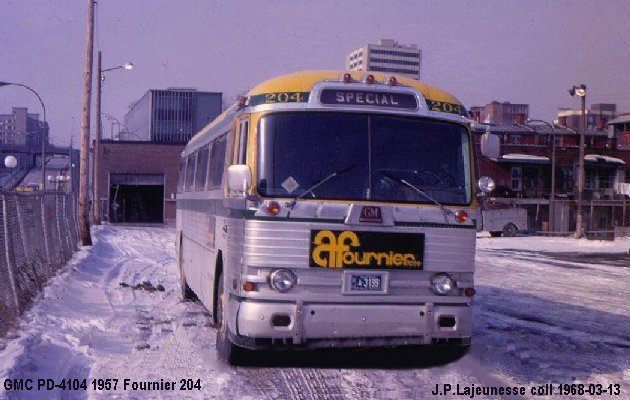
(470, 292)
(272, 208)
(249, 287)
(461, 216)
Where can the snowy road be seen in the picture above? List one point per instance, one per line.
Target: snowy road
(547, 311)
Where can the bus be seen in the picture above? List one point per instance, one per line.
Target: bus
(331, 209)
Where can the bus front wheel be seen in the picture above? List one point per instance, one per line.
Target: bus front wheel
(226, 350)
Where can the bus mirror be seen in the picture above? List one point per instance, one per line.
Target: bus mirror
(239, 178)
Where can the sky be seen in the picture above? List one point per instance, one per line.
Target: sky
(528, 52)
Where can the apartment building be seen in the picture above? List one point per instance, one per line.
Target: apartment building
(387, 56)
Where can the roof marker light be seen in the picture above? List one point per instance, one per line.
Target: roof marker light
(347, 78)
(369, 79)
(242, 102)
(392, 81)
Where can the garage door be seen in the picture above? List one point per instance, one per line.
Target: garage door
(136, 198)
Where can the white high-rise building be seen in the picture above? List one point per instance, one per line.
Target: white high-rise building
(386, 56)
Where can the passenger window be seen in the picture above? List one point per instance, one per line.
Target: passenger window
(217, 162)
(190, 172)
(202, 168)
(242, 142)
(182, 176)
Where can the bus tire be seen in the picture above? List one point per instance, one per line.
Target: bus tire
(226, 350)
(453, 353)
(509, 230)
(186, 291)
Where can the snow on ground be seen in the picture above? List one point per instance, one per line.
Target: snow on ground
(554, 310)
(547, 310)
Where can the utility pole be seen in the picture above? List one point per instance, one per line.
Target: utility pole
(580, 91)
(96, 203)
(100, 76)
(552, 195)
(84, 222)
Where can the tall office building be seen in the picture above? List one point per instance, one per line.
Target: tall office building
(21, 127)
(171, 116)
(386, 56)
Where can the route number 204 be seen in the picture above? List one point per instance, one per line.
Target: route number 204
(190, 384)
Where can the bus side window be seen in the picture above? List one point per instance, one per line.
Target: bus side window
(190, 172)
(202, 168)
(182, 175)
(242, 142)
(217, 162)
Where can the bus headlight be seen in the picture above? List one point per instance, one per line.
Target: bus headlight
(282, 280)
(486, 184)
(442, 284)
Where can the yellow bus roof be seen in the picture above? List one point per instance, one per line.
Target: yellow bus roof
(304, 81)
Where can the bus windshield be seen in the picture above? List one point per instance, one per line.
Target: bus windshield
(363, 157)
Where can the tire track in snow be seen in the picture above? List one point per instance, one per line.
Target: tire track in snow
(312, 384)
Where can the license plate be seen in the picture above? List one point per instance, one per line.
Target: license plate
(368, 283)
(363, 283)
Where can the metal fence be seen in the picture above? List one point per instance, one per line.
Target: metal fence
(38, 234)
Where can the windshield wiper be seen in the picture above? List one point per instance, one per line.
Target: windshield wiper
(421, 192)
(317, 184)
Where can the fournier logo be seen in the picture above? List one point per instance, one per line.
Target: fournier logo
(336, 251)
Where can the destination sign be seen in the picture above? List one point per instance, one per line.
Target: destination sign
(398, 100)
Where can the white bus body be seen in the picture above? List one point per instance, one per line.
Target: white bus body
(327, 210)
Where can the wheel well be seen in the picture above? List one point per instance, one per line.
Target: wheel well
(218, 271)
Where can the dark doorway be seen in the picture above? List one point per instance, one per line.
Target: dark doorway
(136, 204)
(136, 198)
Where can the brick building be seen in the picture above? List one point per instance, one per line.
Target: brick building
(521, 157)
(500, 113)
(137, 174)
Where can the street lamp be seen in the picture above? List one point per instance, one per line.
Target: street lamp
(10, 162)
(58, 180)
(552, 196)
(580, 91)
(44, 134)
(96, 209)
(114, 121)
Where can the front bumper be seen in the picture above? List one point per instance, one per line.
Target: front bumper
(261, 324)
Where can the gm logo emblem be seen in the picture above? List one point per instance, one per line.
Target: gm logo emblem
(371, 214)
